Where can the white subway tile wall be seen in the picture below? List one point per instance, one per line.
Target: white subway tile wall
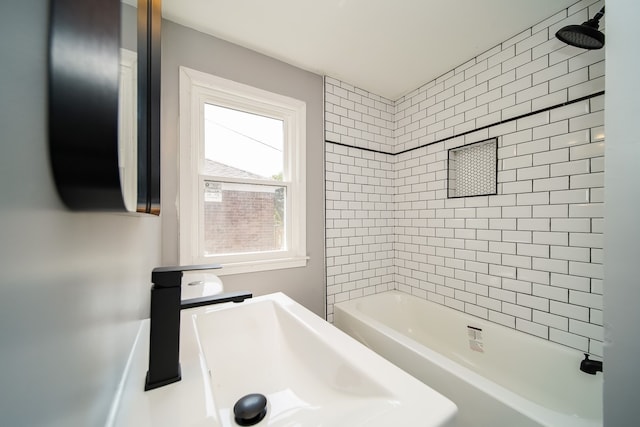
(358, 118)
(529, 257)
(359, 223)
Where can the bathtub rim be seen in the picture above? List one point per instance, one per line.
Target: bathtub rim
(527, 407)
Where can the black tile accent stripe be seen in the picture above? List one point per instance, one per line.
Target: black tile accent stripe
(359, 148)
(542, 110)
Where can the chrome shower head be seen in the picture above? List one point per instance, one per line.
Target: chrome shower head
(585, 36)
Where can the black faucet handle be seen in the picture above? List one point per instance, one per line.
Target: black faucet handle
(186, 268)
(168, 277)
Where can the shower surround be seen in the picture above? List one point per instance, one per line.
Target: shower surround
(529, 257)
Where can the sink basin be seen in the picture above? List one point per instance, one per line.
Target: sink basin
(311, 373)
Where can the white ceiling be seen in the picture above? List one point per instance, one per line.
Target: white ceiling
(388, 47)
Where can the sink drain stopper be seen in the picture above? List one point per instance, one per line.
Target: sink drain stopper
(250, 409)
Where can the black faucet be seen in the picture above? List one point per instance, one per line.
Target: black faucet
(164, 339)
(590, 366)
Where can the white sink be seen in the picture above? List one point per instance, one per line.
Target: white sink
(311, 373)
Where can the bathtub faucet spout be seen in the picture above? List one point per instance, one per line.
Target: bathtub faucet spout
(590, 366)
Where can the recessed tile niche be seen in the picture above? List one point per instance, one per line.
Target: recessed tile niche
(472, 169)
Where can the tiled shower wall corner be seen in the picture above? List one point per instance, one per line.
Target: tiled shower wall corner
(360, 192)
(360, 223)
(529, 257)
(358, 118)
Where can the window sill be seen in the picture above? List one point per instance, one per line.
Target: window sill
(264, 265)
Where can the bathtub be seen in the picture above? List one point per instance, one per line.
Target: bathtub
(497, 376)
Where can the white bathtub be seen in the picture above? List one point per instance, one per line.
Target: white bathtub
(497, 376)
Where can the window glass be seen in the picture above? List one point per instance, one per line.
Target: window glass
(250, 145)
(241, 218)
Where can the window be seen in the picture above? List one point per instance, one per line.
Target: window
(242, 176)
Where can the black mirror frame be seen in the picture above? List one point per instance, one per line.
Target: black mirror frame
(149, 48)
(84, 58)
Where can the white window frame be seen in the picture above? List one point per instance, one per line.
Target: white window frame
(198, 88)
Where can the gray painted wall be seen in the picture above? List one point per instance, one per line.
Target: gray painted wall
(622, 223)
(73, 286)
(189, 48)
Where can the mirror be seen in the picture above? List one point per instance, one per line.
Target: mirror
(104, 104)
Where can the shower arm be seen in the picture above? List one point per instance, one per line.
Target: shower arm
(594, 22)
